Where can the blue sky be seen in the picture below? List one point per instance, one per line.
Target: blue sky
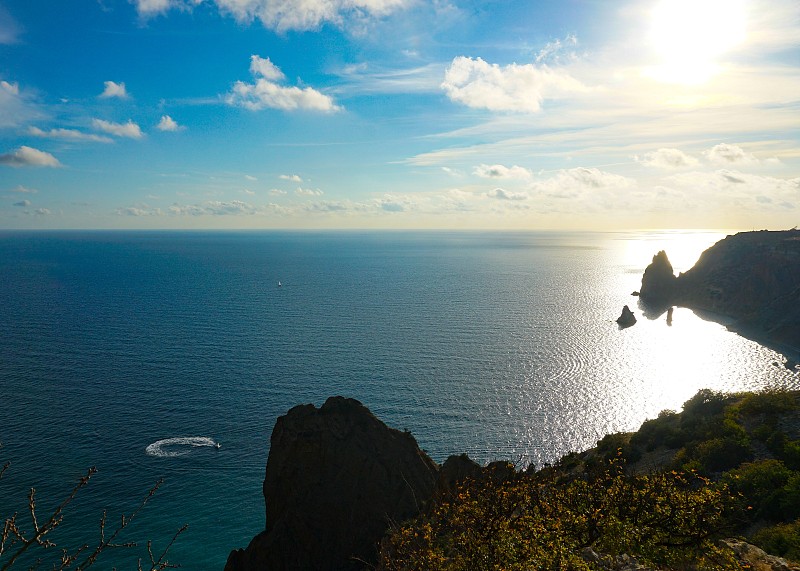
(400, 114)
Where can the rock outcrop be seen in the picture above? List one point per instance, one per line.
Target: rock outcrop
(627, 318)
(752, 277)
(336, 478)
(658, 281)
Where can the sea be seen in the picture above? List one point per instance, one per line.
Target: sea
(139, 352)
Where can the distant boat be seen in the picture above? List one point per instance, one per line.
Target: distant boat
(280, 284)
(217, 445)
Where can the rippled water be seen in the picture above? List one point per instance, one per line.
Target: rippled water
(138, 352)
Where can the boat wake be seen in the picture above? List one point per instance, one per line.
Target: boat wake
(179, 446)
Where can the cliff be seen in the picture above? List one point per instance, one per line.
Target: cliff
(336, 478)
(752, 277)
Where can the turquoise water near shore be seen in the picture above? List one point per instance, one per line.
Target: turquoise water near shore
(138, 352)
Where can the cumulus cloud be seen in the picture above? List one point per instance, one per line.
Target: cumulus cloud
(284, 15)
(308, 192)
(68, 135)
(130, 129)
(23, 203)
(520, 88)
(291, 177)
(667, 159)
(29, 157)
(265, 92)
(250, 177)
(500, 171)
(502, 194)
(725, 154)
(168, 124)
(277, 192)
(113, 89)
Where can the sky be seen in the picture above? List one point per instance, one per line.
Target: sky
(399, 114)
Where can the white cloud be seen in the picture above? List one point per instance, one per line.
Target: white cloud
(28, 156)
(291, 177)
(501, 171)
(17, 107)
(521, 88)
(575, 182)
(284, 15)
(277, 192)
(12, 88)
(23, 203)
(113, 89)
(265, 93)
(740, 191)
(250, 177)
(725, 154)
(308, 192)
(263, 67)
(503, 194)
(68, 135)
(130, 129)
(24, 190)
(168, 124)
(151, 7)
(555, 51)
(667, 159)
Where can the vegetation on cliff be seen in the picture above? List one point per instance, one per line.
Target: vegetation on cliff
(728, 464)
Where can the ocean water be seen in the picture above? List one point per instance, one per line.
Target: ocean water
(138, 352)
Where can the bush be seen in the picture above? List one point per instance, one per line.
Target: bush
(782, 540)
(544, 520)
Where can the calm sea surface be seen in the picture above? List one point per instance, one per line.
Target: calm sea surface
(137, 352)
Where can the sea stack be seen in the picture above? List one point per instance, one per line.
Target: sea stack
(658, 281)
(627, 318)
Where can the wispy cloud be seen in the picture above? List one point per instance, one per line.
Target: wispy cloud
(519, 88)
(23, 203)
(130, 129)
(285, 15)
(265, 92)
(24, 190)
(308, 192)
(29, 157)
(667, 159)
(503, 194)
(291, 177)
(68, 135)
(113, 89)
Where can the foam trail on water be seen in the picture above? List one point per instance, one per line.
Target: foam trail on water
(178, 446)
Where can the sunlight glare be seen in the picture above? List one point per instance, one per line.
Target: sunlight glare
(689, 37)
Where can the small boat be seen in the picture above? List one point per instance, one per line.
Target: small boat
(217, 445)
(280, 284)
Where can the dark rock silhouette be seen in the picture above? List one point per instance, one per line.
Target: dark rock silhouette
(658, 281)
(627, 318)
(336, 477)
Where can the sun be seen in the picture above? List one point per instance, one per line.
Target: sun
(690, 36)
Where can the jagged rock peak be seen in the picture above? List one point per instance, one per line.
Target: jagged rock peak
(658, 281)
(336, 478)
(627, 318)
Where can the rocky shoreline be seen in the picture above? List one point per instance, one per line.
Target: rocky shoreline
(750, 278)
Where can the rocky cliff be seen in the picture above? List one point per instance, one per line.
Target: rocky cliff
(752, 277)
(336, 478)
